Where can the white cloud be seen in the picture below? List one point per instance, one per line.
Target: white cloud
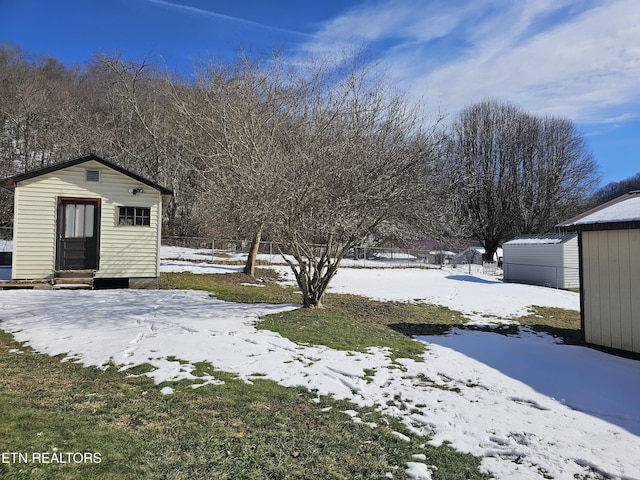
(575, 58)
(401, 19)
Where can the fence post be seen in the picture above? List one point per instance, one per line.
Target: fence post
(213, 250)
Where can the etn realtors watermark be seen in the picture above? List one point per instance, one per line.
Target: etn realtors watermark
(53, 457)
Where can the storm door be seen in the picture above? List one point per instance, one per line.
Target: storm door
(78, 227)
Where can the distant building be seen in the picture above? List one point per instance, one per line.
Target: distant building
(476, 256)
(550, 260)
(430, 251)
(609, 253)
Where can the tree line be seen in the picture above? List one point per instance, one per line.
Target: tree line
(315, 154)
(615, 189)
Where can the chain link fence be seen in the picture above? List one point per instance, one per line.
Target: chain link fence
(361, 256)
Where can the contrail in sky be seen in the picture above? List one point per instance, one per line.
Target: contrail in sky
(221, 16)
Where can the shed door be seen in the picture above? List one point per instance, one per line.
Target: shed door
(78, 227)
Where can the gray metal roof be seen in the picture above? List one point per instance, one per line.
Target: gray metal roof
(541, 239)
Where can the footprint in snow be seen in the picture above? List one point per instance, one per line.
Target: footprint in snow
(138, 339)
(530, 403)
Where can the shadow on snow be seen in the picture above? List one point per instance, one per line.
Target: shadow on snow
(585, 379)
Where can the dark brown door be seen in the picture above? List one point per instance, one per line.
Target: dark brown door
(78, 227)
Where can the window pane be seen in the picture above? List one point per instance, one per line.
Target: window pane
(125, 215)
(69, 216)
(88, 229)
(143, 216)
(79, 221)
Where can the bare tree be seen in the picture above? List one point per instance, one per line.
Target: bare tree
(315, 155)
(233, 121)
(360, 155)
(143, 132)
(511, 172)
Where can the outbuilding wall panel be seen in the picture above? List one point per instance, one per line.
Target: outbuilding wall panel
(634, 285)
(34, 234)
(611, 275)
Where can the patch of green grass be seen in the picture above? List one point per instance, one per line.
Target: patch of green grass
(552, 317)
(558, 322)
(229, 286)
(202, 369)
(234, 430)
(173, 358)
(347, 322)
(408, 318)
(337, 329)
(141, 369)
(352, 322)
(369, 373)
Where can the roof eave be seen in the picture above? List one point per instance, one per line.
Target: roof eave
(567, 225)
(11, 182)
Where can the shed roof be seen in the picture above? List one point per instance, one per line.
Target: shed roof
(10, 182)
(542, 239)
(621, 212)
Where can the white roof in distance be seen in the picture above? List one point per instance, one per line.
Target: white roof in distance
(546, 238)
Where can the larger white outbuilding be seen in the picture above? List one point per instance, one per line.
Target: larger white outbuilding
(550, 260)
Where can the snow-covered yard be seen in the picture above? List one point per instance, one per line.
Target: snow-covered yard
(527, 404)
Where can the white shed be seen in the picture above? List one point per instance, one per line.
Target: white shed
(609, 247)
(549, 260)
(86, 221)
(476, 256)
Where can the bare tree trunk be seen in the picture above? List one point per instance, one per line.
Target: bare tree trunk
(250, 266)
(313, 282)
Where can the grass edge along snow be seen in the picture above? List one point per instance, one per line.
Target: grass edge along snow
(232, 429)
(354, 322)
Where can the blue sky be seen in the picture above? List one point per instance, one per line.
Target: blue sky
(579, 59)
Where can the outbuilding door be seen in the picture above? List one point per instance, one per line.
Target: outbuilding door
(78, 234)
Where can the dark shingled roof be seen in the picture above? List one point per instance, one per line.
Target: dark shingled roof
(10, 182)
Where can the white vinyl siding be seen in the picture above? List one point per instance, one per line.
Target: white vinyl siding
(611, 276)
(124, 252)
(548, 264)
(34, 233)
